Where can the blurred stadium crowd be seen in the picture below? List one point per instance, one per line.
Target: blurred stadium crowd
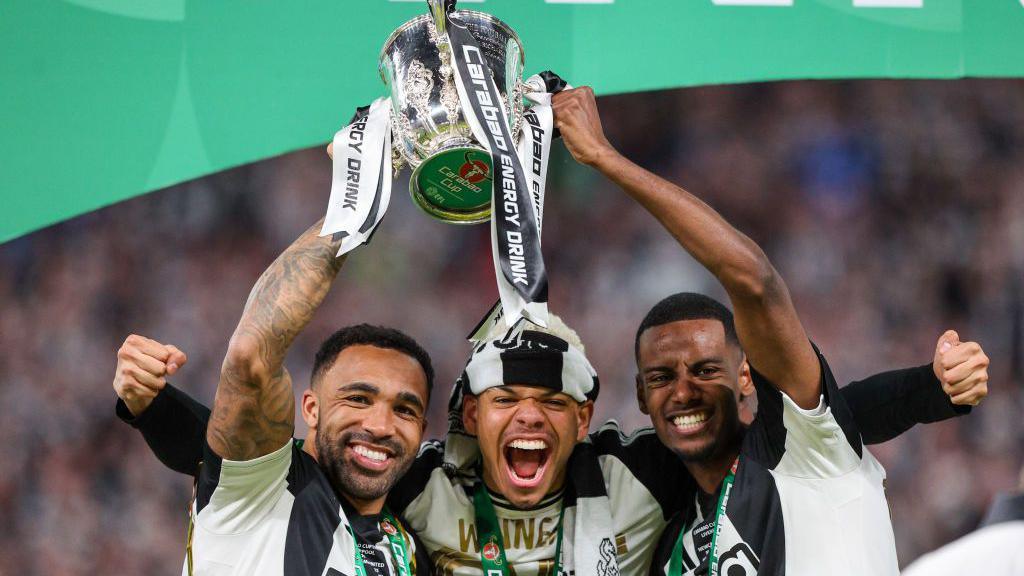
(894, 210)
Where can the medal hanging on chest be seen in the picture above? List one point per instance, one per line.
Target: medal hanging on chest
(492, 545)
(396, 540)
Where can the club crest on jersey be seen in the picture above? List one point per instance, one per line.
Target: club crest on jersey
(388, 528)
(608, 565)
(492, 552)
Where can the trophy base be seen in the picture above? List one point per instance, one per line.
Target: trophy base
(454, 185)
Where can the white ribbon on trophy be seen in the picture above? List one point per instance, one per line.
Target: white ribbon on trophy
(361, 177)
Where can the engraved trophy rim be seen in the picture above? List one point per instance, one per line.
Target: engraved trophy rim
(424, 17)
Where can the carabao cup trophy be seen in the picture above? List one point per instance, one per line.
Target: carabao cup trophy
(451, 177)
(456, 115)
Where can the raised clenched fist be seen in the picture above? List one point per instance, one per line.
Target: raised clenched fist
(962, 369)
(142, 365)
(577, 118)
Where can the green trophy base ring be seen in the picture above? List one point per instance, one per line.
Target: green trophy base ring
(454, 185)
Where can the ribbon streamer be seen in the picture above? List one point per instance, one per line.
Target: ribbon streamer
(361, 177)
(534, 149)
(515, 234)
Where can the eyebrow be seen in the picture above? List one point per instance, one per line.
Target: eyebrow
(658, 369)
(411, 399)
(359, 387)
(705, 361)
(371, 389)
(695, 366)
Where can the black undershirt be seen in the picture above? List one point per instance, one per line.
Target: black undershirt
(368, 535)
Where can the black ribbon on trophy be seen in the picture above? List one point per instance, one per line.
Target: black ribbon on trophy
(448, 120)
(515, 229)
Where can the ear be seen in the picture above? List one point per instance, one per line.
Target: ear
(641, 400)
(746, 381)
(310, 409)
(470, 404)
(584, 415)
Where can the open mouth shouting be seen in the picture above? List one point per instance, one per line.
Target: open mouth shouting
(526, 460)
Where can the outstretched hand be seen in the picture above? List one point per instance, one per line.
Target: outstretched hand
(577, 118)
(142, 365)
(962, 369)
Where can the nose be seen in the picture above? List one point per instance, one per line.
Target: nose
(529, 414)
(684, 391)
(379, 420)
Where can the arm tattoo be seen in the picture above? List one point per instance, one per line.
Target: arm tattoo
(254, 410)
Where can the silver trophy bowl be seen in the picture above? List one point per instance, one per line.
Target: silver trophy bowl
(451, 177)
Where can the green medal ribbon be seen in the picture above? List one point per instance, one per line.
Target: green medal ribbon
(675, 563)
(399, 551)
(492, 545)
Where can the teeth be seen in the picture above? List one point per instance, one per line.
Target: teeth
(689, 421)
(528, 444)
(371, 454)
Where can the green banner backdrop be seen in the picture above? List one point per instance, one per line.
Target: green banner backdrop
(107, 99)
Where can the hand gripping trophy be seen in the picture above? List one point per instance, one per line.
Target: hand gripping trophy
(456, 115)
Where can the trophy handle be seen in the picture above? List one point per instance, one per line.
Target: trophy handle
(438, 9)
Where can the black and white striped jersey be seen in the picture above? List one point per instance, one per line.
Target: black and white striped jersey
(883, 406)
(644, 481)
(278, 515)
(807, 499)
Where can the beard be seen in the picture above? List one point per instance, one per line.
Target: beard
(346, 477)
(728, 435)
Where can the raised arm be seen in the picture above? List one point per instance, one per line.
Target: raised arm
(254, 410)
(766, 321)
(173, 426)
(888, 404)
(171, 422)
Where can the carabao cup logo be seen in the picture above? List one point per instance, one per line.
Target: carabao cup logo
(492, 552)
(474, 171)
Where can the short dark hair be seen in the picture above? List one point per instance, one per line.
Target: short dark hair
(687, 306)
(368, 334)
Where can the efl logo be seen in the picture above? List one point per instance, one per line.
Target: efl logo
(490, 551)
(388, 528)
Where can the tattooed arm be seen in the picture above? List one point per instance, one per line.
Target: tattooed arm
(254, 410)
